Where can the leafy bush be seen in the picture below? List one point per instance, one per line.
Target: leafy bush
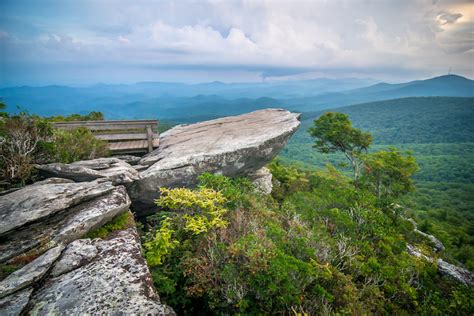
(27, 139)
(232, 189)
(388, 173)
(328, 248)
(24, 139)
(78, 144)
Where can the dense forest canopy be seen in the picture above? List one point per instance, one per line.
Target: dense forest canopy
(408, 120)
(440, 133)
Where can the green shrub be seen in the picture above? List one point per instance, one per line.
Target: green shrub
(24, 140)
(78, 144)
(27, 139)
(327, 249)
(233, 190)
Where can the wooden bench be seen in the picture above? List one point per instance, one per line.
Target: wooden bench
(124, 137)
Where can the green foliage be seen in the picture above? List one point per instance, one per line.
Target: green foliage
(232, 189)
(286, 180)
(121, 222)
(388, 173)
(77, 144)
(444, 195)
(201, 210)
(27, 139)
(161, 244)
(326, 247)
(420, 120)
(24, 140)
(445, 211)
(334, 133)
(186, 217)
(92, 116)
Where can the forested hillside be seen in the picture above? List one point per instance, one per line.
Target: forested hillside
(440, 133)
(408, 120)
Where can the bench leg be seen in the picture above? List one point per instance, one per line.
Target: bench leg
(149, 134)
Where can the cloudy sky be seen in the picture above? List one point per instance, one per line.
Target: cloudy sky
(86, 42)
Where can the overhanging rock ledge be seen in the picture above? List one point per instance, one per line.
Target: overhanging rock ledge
(231, 146)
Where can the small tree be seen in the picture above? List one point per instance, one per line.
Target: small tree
(388, 173)
(22, 138)
(334, 133)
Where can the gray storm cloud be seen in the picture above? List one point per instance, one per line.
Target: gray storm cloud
(250, 36)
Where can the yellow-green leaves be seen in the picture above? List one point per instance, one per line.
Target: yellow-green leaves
(161, 245)
(203, 208)
(193, 212)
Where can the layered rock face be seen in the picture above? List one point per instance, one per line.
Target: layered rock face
(56, 211)
(231, 146)
(100, 277)
(113, 169)
(41, 225)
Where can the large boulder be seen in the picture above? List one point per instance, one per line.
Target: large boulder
(44, 199)
(232, 146)
(113, 169)
(59, 273)
(114, 280)
(53, 212)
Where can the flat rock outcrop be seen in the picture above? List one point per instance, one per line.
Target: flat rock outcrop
(232, 146)
(435, 242)
(116, 280)
(53, 212)
(30, 273)
(43, 199)
(105, 277)
(113, 169)
(446, 269)
(14, 304)
(65, 274)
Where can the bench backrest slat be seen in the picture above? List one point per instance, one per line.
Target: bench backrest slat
(108, 125)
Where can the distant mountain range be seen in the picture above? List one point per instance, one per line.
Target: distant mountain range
(449, 85)
(187, 103)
